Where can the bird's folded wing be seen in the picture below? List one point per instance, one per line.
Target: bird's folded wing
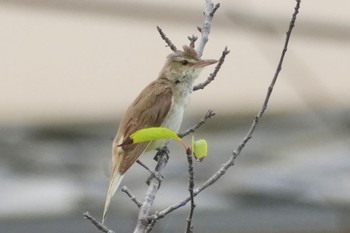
(148, 110)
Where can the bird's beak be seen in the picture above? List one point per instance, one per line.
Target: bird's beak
(207, 62)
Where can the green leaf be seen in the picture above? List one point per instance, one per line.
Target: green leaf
(199, 148)
(153, 133)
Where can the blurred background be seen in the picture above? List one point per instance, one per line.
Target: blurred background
(69, 69)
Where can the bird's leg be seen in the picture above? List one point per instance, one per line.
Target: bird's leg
(161, 152)
(156, 175)
(162, 158)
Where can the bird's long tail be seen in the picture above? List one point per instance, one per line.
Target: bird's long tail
(116, 178)
(113, 186)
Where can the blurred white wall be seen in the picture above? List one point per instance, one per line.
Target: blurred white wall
(87, 60)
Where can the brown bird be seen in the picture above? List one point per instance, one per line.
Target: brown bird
(160, 104)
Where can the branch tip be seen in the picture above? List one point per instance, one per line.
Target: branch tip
(207, 116)
(192, 40)
(212, 76)
(97, 224)
(131, 196)
(166, 39)
(217, 5)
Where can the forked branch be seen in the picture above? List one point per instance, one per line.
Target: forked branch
(249, 135)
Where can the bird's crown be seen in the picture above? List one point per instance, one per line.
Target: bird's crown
(186, 57)
(184, 65)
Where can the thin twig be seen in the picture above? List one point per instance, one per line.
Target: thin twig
(212, 75)
(239, 148)
(132, 196)
(272, 84)
(189, 227)
(207, 116)
(205, 29)
(97, 223)
(143, 165)
(166, 39)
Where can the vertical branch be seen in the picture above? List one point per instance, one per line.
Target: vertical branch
(189, 227)
(205, 29)
(143, 220)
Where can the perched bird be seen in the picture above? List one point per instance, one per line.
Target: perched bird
(160, 104)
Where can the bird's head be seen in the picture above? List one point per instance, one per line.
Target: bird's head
(184, 66)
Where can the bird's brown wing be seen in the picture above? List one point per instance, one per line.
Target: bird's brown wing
(148, 110)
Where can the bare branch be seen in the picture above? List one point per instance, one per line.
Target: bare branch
(272, 84)
(239, 148)
(189, 227)
(166, 39)
(132, 196)
(207, 116)
(213, 75)
(144, 220)
(97, 223)
(143, 165)
(205, 29)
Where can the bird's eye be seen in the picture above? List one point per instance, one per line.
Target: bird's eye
(184, 62)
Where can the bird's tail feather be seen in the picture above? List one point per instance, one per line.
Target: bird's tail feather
(113, 186)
